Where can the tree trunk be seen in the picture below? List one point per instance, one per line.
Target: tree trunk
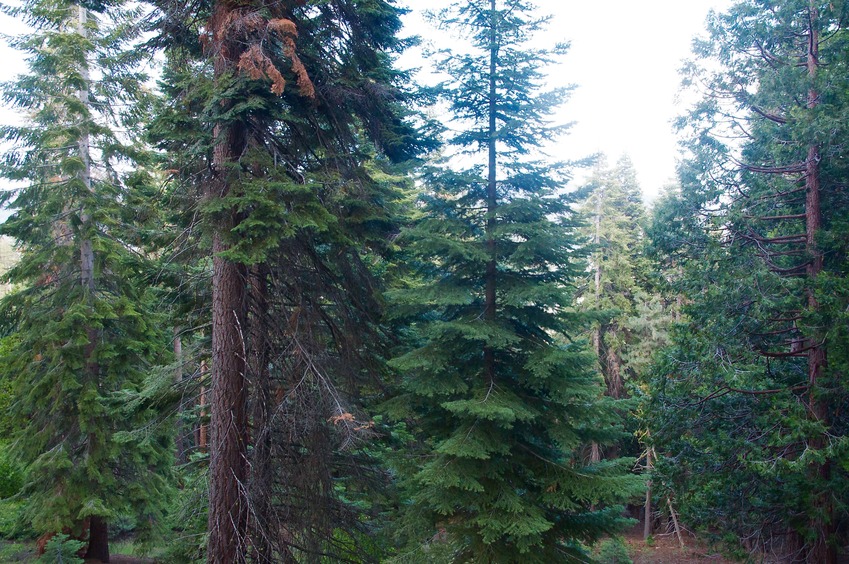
(647, 511)
(181, 448)
(491, 198)
(675, 524)
(201, 431)
(613, 372)
(98, 540)
(228, 413)
(228, 425)
(86, 250)
(822, 552)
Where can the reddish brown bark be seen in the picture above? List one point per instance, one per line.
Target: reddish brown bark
(228, 467)
(228, 413)
(822, 550)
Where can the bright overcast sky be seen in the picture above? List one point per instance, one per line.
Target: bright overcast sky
(624, 59)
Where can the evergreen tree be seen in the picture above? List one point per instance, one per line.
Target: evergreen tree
(84, 325)
(756, 371)
(297, 116)
(615, 212)
(500, 394)
(632, 316)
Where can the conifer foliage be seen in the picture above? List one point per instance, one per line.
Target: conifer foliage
(299, 113)
(758, 372)
(502, 395)
(82, 325)
(616, 290)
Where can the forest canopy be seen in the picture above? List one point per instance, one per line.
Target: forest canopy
(269, 297)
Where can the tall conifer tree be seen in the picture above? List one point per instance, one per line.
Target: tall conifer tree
(615, 213)
(758, 371)
(84, 327)
(300, 114)
(502, 395)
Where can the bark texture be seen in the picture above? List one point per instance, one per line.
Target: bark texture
(822, 551)
(98, 540)
(228, 462)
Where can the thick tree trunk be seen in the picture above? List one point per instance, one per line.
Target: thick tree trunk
(98, 540)
(822, 522)
(228, 467)
(228, 426)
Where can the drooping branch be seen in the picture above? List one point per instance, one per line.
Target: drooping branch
(798, 388)
(784, 239)
(775, 217)
(787, 169)
(772, 117)
(801, 352)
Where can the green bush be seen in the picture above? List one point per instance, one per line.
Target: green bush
(13, 526)
(11, 474)
(61, 548)
(613, 551)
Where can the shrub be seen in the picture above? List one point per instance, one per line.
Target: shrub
(11, 474)
(61, 548)
(613, 551)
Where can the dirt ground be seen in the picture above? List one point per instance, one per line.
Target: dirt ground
(666, 550)
(121, 559)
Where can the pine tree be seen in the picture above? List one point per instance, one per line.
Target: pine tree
(84, 325)
(756, 372)
(616, 291)
(501, 396)
(301, 208)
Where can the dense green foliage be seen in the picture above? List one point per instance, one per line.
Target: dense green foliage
(503, 395)
(84, 330)
(304, 206)
(756, 373)
(373, 344)
(617, 287)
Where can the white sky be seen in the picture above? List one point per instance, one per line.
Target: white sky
(624, 59)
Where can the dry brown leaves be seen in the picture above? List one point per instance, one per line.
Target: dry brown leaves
(251, 27)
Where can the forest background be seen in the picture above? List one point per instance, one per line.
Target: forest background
(274, 310)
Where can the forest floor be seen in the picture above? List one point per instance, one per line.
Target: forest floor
(12, 552)
(122, 559)
(665, 549)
